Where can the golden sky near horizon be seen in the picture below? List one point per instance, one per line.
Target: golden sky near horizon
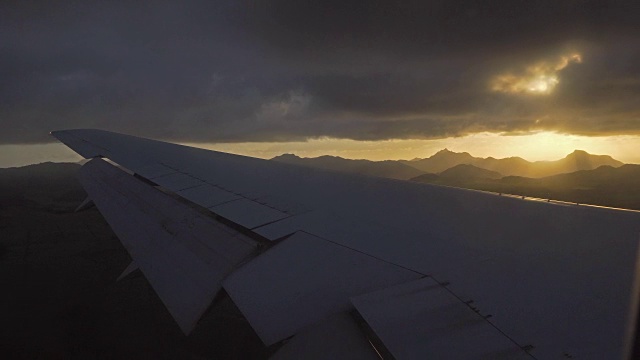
(532, 147)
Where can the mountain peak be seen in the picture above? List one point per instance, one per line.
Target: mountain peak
(332, 157)
(286, 157)
(447, 152)
(582, 160)
(579, 153)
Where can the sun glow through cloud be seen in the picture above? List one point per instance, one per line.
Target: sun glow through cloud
(540, 78)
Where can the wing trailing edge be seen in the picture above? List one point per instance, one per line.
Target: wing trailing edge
(183, 254)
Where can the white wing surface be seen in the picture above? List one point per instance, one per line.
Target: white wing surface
(422, 270)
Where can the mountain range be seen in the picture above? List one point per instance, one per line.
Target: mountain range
(579, 177)
(514, 166)
(445, 159)
(459, 174)
(388, 168)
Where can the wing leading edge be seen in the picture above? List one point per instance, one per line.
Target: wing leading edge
(533, 279)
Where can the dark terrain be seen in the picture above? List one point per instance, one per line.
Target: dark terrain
(605, 186)
(58, 271)
(579, 177)
(446, 159)
(388, 168)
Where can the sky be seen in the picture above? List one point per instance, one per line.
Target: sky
(359, 79)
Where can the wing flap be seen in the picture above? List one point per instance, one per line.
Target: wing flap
(177, 181)
(207, 195)
(154, 170)
(302, 280)
(337, 337)
(184, 254)
(247, 213)
(422, 319)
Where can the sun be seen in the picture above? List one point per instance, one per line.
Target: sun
(543, 84)
(537, 79)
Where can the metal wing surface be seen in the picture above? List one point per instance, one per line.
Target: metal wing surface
(421, 270)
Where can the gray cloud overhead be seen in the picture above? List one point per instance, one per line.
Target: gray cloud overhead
(290, 70)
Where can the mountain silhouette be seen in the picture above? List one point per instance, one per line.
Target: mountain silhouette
(446, 159)
(388, 168)
(469, 172)
(459, 175)
(441, 161)
(514, 166)
(578, 177)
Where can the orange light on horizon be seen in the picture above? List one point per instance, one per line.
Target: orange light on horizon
(537, 146)
(542, 145)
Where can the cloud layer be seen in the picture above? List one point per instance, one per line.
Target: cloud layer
(291, 70)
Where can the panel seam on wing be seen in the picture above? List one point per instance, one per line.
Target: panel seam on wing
(443, 284)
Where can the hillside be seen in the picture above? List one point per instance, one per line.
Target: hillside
(388, 169)
(469, 172)
(47, 184)
(462, 175)
(446, 159)
(514, 166)
(606, 185)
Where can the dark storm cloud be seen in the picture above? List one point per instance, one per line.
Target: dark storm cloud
(290, 70)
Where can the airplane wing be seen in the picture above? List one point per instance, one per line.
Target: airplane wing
(333, 265)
